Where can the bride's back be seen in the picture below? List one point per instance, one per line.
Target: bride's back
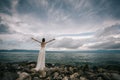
(43, 44)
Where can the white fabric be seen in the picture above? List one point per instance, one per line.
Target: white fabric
(41, 60)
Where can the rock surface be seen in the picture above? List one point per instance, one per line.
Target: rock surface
(24, 71)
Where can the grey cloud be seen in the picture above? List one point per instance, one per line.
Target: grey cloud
(106, 45)
(5, 6)
(79, 15)
(5, 25)
(11, 42)
(68, 43)
(107, 8)
(105, 38)
(112, 30)
(114, 10)
(77, 10)
(4, 29)
(34, 7)
(8, 44)
(74, 8)
(1, 41)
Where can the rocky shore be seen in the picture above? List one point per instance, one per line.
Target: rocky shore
(24, 71)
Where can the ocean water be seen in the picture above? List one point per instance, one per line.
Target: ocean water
(99, 57)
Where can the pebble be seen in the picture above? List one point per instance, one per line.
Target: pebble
(83, 78)
(24, 75)
(36, 78)
(42, 73)
(65, 78)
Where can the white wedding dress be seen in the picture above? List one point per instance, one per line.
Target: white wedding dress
(41, 60)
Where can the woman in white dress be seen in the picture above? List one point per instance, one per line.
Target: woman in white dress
(41, 56)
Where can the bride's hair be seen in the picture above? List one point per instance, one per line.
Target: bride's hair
(43, 39)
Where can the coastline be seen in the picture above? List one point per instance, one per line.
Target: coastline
(23, 71)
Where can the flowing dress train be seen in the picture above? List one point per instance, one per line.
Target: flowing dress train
(41, 60)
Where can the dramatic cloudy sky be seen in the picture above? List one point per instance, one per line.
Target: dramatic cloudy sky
(76, 24)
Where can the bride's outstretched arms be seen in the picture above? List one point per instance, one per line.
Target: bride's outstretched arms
(50, 40)
(35, 40)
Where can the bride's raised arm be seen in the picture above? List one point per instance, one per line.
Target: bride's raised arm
(50, 40)
(35, 40)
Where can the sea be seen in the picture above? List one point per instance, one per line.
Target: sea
(91, 57)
